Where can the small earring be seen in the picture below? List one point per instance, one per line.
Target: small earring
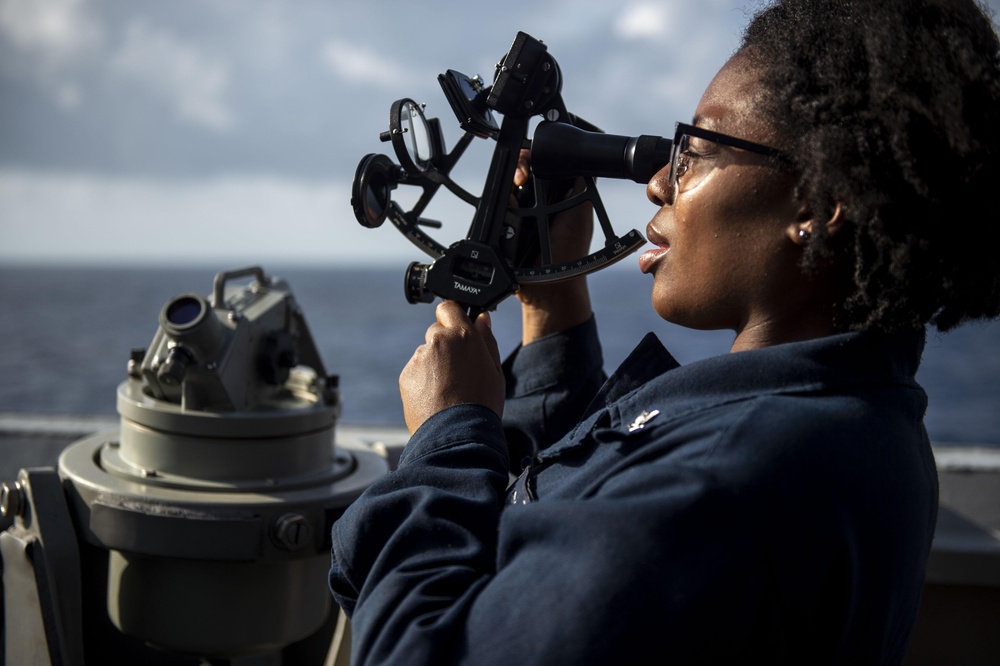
(804, 235)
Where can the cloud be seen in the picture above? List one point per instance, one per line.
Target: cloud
(361, 64)
(232, 220)
(643, 20)
(61, 45)
(193, 83)
(49, 42)
(55, 31)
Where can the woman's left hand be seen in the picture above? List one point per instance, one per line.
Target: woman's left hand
(458, 363)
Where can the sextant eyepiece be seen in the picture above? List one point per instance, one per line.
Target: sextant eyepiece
(560, 150)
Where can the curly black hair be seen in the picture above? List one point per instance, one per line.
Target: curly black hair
(891, 110)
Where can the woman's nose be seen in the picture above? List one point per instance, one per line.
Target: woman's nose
(658, 190)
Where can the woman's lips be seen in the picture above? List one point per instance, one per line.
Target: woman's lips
(649, 258)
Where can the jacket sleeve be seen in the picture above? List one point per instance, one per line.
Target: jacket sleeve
(550, 383)
(412, 552)
(432, 571)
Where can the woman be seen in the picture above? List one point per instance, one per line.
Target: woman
(777, 502)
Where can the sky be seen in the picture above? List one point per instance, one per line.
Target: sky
(227, 132)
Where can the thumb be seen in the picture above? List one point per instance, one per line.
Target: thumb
(484, 326)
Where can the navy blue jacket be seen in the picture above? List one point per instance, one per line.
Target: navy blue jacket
(774, 504)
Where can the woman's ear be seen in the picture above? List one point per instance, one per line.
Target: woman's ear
(805, 223)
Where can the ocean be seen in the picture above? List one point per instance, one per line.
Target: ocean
(66, 334)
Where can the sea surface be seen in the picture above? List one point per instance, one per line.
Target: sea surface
(66, 334)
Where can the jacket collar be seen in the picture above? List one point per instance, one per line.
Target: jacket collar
(828, 363)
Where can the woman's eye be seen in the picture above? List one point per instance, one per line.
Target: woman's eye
(684, 163)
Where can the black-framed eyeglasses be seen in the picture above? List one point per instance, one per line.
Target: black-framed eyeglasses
(683, 159)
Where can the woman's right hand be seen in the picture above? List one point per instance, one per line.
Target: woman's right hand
(459, 363)
(552, 307)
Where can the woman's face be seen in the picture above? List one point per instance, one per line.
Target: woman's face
(727, 252)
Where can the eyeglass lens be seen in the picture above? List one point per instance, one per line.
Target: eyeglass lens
(689, 164)
(687, 168)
